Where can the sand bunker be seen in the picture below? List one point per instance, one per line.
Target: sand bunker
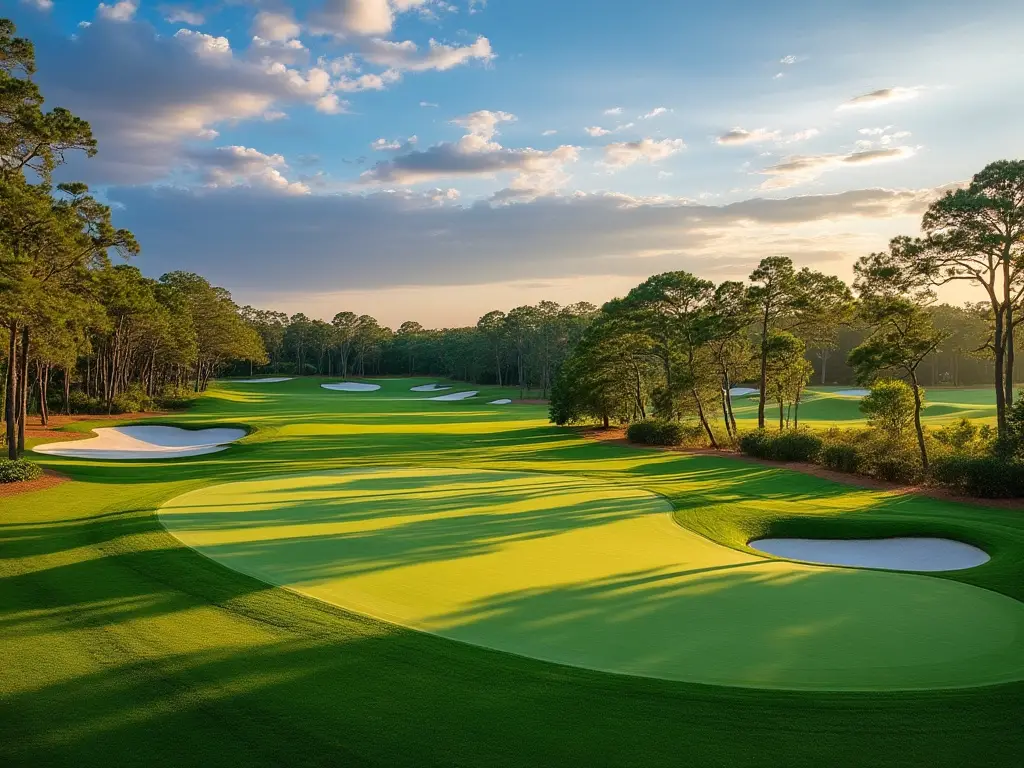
(502, 401)
(260, 381)
(455, 396)
(351, 386)
(141, 442)
(854, 392)
(429, 388)
(741, 391)
(901, 554)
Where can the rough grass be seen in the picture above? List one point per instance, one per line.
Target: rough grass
(123, 647)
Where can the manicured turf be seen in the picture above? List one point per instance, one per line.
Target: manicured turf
(121, 646)
(596, 574)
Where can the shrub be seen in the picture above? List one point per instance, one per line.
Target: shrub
(842, 457)
(173, 397)
(791, 445)
(80, 402)
(133, 400)
(895, 465)
(757, 444)
(18, 471)
(991, 477)
(889, 406)
(796, 445)
(655, 432)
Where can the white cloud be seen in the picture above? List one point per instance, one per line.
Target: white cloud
(121, 11)
(881, 97)
(549, 132)
(368, 82)
(613, 111)
(788, 59)
(277, 27)
(741, 136)
(656, 112)
(874, 131)
(804, 135)
(235, 166)
(798, 169)
(273, 115)
(370, 17)
(41, 5)
(179, 15)
(439, 56)
(281, 51)
(429, 104)
(597, 131)
(623, 154)
(339, 66)
(384, 145)
(476, 154)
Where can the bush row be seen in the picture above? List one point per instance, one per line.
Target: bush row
(18, 471)
(132, 400)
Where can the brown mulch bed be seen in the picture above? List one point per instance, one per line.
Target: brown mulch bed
(48, 480)
(617, 436)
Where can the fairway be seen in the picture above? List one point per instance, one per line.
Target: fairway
(439, 555)
(596, 574)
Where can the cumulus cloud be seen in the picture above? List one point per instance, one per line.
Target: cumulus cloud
(237, 166)
(121, 11)
(429, 239)
(597, 131)
(148, 96)
(42, 5)
(788, 59)
(275, 26)
(798, 169)
(282, 51)
(880, 97)
(656, 112)
(180, 15)
(475, 154)
(626, 153)
(406, 55)
(367, 17)
(384, 145)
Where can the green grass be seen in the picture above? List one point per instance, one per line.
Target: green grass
(122, 646)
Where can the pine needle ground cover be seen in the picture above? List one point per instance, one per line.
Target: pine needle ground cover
(122, 645)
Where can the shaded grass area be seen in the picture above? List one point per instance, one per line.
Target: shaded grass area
(122, 647)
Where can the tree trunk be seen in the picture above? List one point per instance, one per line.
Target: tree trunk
(67, 391)
(704, 420)
(23, 398)
(764, 372)
(1008, 362)
(998, 353)
(604, 420)
(917, 421)
(725, 411)
(11, 392)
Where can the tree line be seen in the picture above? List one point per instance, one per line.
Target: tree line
(70, 315)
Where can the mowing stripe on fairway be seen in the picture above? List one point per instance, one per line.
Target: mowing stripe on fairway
(596, 574)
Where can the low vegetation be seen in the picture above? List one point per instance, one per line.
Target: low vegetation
(18, 471)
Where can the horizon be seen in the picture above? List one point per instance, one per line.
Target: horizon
(327, 156)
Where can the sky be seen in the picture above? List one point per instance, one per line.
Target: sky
(432, 160)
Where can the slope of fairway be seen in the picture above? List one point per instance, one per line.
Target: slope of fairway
(596, 574)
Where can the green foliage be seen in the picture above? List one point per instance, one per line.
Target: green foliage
(889, 407)
(841, 457)
(18, 471)
(656, 432)
(79, 402)
(988, 476)
(174, 397)
(132, 400)
(789, 445)
(964, 436)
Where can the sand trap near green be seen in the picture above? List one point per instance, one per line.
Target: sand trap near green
(597, 575)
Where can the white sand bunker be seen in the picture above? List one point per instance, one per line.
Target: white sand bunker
(144, 443)
(741, 391)
(854, 392)
(260, 381)
(455, 396)
(352, 386)
(899, 554)
(502, 401)
(429, 388)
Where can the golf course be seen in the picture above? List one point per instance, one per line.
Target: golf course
(375, 576)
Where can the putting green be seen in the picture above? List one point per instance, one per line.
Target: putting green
(596, 574)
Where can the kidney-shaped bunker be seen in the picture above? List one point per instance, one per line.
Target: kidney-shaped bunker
(144, 442)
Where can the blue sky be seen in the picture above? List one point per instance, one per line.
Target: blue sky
(428, 160)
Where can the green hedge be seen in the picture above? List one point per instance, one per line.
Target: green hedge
(990, 477)
(656, 432)
(792, 445)
(18, 471)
